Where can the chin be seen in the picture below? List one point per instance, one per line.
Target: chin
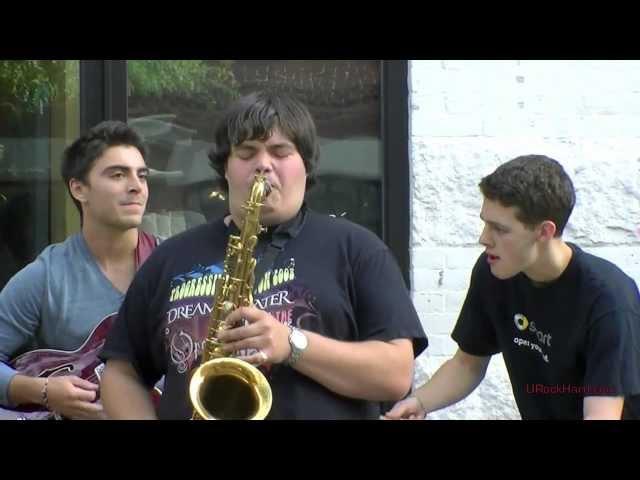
(269, 216)
(269, 220)
(131, 223)
(502, 275)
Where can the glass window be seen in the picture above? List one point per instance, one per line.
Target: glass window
(175, 104)
(39, 115)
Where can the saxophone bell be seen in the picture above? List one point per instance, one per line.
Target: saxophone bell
(229, 389)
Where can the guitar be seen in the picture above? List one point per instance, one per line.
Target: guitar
(82, 362)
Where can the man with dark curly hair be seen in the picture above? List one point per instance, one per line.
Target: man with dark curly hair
(566, 322)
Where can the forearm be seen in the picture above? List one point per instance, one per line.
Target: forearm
(370, 370)
(124, 397)
(452, 382)
(25, 390)
(603, 408)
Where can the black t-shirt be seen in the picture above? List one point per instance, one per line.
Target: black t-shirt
(333, 277)
(574, 337)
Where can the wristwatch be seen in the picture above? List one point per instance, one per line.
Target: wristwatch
(298, 342)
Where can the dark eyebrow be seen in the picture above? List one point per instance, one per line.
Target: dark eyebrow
(282, 144)
(124, 168)
(494, 224)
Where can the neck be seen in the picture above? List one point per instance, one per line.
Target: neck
(552, 262)
(109, 245)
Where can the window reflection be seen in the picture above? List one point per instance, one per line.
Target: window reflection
(38, 113)
(174, 105)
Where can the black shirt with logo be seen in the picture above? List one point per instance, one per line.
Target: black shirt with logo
(331, 277)
(574, 337)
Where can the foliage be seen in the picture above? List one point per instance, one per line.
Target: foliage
(32, 84)
(207, 80)
(29, 83)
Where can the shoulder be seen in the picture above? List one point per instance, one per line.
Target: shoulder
(58, 255)
(351, 245)
(604, 281)
(50, 263)
(342, 230)
(601, 273)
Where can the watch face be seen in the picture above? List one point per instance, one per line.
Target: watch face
(298, 339)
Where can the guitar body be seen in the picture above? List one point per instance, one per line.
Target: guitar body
(83, 362)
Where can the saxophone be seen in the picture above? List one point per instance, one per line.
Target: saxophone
(222, 387)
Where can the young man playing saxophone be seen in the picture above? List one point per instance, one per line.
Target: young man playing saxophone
(333, 327)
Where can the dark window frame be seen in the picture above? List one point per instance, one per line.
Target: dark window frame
(394, 118)
(103, 91)
(106, 80)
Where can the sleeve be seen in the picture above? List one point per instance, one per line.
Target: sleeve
(613, 353)
(20, 314)
(474, 333)
(383, 306)
(131, 337)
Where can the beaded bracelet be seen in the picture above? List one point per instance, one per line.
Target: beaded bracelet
(45, 397)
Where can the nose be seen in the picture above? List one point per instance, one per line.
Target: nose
(264, 162)
(135, 183)
(484, 239)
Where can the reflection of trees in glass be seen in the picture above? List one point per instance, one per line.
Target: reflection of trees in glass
(31, 85)
(193, 90)
(342, 95)
(210, 81)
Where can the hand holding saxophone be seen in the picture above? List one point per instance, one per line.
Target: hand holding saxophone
(261, 332)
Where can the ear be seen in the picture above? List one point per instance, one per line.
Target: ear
(77, 189)
(547, 230)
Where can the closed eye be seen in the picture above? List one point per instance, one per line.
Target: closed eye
(282, 152)
(245, 153)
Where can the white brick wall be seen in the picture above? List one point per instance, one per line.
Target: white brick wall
(467, 117)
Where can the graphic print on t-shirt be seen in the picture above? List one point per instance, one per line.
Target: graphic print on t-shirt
(535, 339)
(278, 292)
(190, 302)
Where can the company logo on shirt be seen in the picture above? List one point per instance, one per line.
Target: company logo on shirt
(522, 323)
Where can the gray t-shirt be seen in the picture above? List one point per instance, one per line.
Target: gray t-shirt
(54, 302)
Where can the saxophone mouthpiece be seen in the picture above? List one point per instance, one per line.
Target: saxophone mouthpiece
(267, 188)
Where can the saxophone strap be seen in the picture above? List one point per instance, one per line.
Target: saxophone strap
(268, 258)
(278, 239)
